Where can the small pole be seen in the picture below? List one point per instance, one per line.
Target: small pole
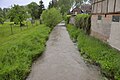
(27, 24)
(11, 29)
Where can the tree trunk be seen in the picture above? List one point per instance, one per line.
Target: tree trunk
(21, 25)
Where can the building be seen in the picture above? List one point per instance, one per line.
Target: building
(76, 11)
(105, 21)
(86, 8)
(73, 13)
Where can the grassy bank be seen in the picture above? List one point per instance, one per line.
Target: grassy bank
(19, 50)
(97, 52)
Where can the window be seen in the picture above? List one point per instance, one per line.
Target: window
(99, 17)
(116, 18)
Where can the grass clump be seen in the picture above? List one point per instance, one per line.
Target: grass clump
(97, 52)
(17, 54)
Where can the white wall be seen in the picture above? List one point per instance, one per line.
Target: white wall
(114, 39)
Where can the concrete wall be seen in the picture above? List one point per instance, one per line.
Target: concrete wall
(72, 20)
(114, 39)
(101, 28)
(105, 29)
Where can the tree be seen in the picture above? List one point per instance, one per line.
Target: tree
(17, 14)
(52, 4)
(51, 17)
(1, 16)
(65, 5)
(33, 9)
(41, 8)
(5, 12)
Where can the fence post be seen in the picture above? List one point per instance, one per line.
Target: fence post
(11, 29)
(27, 24)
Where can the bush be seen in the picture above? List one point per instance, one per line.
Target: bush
(51, 17)
(73, 31)
(67, 18)
(2, 20)
(17, 54)
(98, 53)
(83, 21)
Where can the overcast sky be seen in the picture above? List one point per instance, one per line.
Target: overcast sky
(8, 3)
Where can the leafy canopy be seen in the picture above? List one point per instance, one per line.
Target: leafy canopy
(17, 14)
(51, 17)
(33, 9)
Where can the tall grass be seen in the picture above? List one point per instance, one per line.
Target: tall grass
(97, 52)
(17, 54)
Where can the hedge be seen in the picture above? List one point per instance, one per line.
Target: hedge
(67, 18)
(83, 21)
(98, 53)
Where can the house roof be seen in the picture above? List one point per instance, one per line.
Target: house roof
(77, 9)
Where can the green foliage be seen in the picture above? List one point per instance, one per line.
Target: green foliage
(52, 4)
(67, 18)
(17, 54)
(65, 5)
(83, 21)
(33, 9)
(73, 31)
(51, 17)
(41, 8)
(1, 16)
(98, 53)
(1, 20)
(17, 14)
(5, 29)
(5, 12)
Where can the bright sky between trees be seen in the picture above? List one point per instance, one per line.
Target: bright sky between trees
(8, 3)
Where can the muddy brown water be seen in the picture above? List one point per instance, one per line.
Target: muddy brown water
(61, 60)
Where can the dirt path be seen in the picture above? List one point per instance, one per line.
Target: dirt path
(61, 60)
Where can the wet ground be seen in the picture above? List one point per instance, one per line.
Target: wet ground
(61, 60)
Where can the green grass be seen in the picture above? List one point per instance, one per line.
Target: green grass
(19, 50)
(5, 30)
(97, 52)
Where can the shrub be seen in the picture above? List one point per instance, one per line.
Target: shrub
(83, 21)
(51, 17)
(73, 31)
(98, 53)
(17, 54)
(2, 20)
(67, 18)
